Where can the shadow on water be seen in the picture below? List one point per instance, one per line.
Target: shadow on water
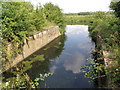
(35, 64)
(50, 52)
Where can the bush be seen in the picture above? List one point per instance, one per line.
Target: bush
(54, 14)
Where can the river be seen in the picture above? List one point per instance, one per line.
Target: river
(64, 58)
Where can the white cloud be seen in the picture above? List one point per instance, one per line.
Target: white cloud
(77, 28)
(75, 62)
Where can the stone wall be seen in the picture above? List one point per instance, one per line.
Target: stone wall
(33, 44)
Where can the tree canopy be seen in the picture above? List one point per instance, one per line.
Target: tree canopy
(116, 7)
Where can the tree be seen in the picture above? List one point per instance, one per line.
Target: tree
(99, 15)
(53, 14)
(14, 23)
(116, 7)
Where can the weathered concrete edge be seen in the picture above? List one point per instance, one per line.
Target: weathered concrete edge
(107, 60)
(34, 43)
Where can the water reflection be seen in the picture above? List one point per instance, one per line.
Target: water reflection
(53, 68)
(29, 69)
(77, 47)
(66, 68)
(74, 62)
(76, 29)
(63, 57)
(51, 51)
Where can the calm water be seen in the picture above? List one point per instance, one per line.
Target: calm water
(64, 57)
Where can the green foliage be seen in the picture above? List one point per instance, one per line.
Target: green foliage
(20, 20)
(54, 14)
(85, 13)
(38, 57)
(19, 78)
(116, 7)
(20, 75)
(108, 30)
(78, 19)
(85, 17)
(91, 71)
(105, 30)
(99, 15)
(96, 70)
(24, 81)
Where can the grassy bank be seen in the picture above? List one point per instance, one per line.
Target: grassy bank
(78, 19)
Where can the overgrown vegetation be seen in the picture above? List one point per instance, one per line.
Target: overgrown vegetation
(19, 78)
(21, 19)
(105, 31)
(54, 14)
(20, 75)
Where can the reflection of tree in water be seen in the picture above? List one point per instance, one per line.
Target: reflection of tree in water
(22, 74)
(53, 49)
(50, 51)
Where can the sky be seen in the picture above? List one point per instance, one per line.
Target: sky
(76, 6)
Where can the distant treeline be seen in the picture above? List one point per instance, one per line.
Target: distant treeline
(86, 13)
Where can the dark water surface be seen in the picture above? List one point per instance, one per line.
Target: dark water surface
(64, 58)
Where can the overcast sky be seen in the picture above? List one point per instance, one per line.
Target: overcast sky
(75, 6)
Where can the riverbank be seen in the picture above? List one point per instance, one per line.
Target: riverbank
(107, 53)
(32, 44)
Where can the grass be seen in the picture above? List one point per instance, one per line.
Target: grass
(78, 19)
